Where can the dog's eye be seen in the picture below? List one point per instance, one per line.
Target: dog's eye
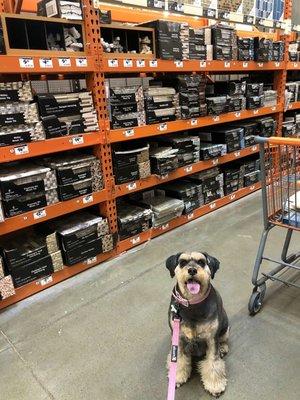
(202, 263)
(183, 263)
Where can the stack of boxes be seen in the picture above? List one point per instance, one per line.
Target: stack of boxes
(255, 95)
(197, 44)
(294, 51)
(132, 220)
(160, 104)
(29, 257)
(231, 179)
(224, 42)
(292, 91)
(19, 118)
(131, 163)
(212, 182)
(164, 159)
(191, 96)
(26, 187)
(6, 283)
(278, 51)
(270, 99)
(71, 9)
(231, 137)
(245, 49)
(291, 124)
(263, 49)
(266, 126)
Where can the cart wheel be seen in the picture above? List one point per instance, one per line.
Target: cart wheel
(256, 299)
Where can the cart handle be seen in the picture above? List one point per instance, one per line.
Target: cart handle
(278, 140)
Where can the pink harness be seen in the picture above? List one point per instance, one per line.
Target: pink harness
(175, 340)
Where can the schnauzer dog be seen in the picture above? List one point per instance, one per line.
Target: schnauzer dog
(204, 328)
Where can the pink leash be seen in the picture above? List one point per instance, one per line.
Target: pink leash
(174, 356)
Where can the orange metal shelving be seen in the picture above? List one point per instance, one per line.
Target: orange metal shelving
(294, 106)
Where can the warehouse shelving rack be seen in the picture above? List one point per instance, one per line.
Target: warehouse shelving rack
(96, 65)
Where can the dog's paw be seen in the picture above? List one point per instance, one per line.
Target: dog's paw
(224, 349)
(213, 376)
(182, 376)
(215, 386)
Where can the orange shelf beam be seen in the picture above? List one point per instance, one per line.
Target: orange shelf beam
(134, 65)
(120, 135)
(41, 284)
(55, 210)
(294, 106)
(48, 146)
(293, 65)
(154, 180)
(133, 241)
(57, 65)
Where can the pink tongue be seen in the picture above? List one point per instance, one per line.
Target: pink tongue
(193, 287)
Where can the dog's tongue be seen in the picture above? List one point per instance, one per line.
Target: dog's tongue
(193, 287)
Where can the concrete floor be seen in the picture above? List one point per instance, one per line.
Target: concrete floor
(103, 335)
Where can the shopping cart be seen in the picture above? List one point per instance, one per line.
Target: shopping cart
(280, 176)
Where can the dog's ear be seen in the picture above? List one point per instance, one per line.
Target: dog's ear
(213, 264)
(171, 263)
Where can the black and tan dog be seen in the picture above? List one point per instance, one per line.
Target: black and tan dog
(204, 326)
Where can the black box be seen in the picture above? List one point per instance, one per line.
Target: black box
(78, 254)
(255, 89)
(254, 102)
(53, 127)
(251, 178)
(209, 151)
(127, 173)
(72, 190)
(9, 139)
(24, 204)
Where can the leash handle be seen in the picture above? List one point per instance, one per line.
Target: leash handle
(174, 356)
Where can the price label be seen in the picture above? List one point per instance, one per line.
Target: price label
(163, 127)
(77, 140)
(260, 65)
(45, 281)
(216, 118)
(254, 148)
(224, 15)
(140, 63)
(39, 214)
(113, 63)
(255, 112)
(212, 206)
(153, 63)
(46, 63)
(188, 169)
(81, 62)
(245, 65)
(91, 260)
(178, 63)
(129, 133)
(277, 64)
(131, 186)
(295, 65)
(164, 227)
(209, 13)
(26, 62)
(64, 62)
(237, 153)
(252, 188)
(215, 161)
(194, 122)
(128, 63)
(290, 106)
(135, 240)
(163, 177)
(202, 64)
(273, 108)
(227, 64)
(21, 150)
(88, 199)
(190, 216)
(249, 19)
(232, 197)
(237, 115)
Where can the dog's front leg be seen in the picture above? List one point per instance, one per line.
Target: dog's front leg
(184, 367)
(212, 369)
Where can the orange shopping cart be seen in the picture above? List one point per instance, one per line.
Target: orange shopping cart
(280, 176)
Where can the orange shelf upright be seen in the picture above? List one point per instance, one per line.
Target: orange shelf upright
(120, 135)
(154, 180)
(49, 212)
(48, 146)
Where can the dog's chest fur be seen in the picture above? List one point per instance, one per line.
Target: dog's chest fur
(200, 330)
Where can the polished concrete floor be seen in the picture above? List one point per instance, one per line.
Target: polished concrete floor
(103, 335)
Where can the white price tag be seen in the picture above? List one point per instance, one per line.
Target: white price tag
(277, 64)
(88, 199)
(140, 63)
(188, 169)
(194, 122)
(273, 108)
(64, 62)
(260, 65)
(232, 197)
(227, 64)
(77, 140)
(39, 214)
(163, 127)
(91, 260)
(26, 62)
(237, 115)
(135, 240)
(295, 65)
(128, 63)
(46, 63)
(254, 148)
(164, 227)
(237, 153)
(252, 188)
(202, 64)
(215, 161)
(131, 186)
(212, 206)
(45, 281)
(129, 133)
(81, 62)
(178, 63)
(216, 118)
(153, 63)
(245, 65)
(290, 106)
(21, 150)
(255, 112)
(190, 216)
(163, 177)
(113, 63)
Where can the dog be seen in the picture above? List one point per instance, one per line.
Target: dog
(204, 328)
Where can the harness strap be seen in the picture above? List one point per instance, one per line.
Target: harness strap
(174, 357)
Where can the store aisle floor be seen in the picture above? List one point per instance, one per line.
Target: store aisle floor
(103, 335)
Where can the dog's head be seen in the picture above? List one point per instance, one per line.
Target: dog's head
(193, 271)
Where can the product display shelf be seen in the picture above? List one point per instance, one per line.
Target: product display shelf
(154, 180)
(120, 135)
(48, 146)
(96, 66)
(41, 284)
(294, 106)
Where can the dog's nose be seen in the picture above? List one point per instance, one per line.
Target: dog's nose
(192, 271)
